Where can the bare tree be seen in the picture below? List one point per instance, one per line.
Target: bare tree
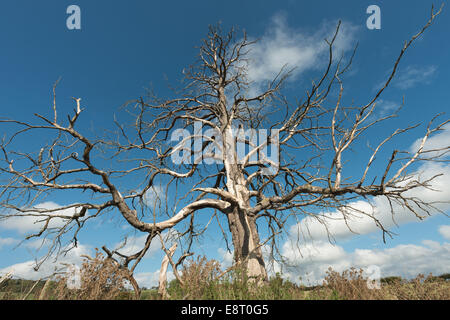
(244, 191)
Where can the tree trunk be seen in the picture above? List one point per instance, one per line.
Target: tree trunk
(247, 251)
(163, 272)
(246, 243)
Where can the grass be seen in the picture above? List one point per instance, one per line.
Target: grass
(348, 285)
(204, 280)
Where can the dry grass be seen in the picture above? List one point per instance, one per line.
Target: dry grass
(420, 288)
(101, 279)
(352, 285)
(349, 285)
(200, 278)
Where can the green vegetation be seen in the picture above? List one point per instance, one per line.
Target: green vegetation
(203, 279)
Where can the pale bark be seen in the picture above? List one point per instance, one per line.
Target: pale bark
(247, 250)
(163, 271)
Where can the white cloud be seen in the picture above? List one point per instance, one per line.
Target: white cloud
(154, 195)
(385, 108)
(315, 227)
(437, 141)
(445, 231)
(27, 224)
(413, 75)
(25, 270)
(282, 46)
(333, 223)
(408, 260)
(310, 261)
(147, 279)
(151, 279)
(226, 258)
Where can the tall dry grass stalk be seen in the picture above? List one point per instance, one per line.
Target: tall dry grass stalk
(100, 279)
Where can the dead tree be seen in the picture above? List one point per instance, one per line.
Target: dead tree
(244, 190)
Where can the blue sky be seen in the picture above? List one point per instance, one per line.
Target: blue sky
(124, 47)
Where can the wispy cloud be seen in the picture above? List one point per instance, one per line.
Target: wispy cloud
(414, 75)
(282, 46)
(385, 108)
(410, 77)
